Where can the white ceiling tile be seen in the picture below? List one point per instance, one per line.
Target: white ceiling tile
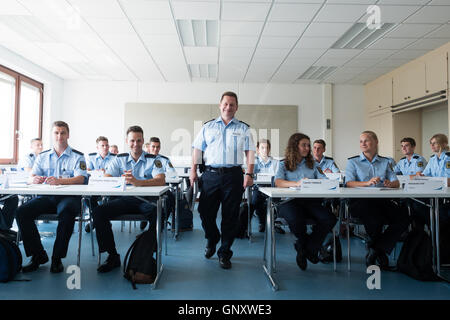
(276, 42)
(404, 2)
(245, 11)
(98, 8)
(411, 30)
(270, 53)
(341, 13)
(366, 63)
(166, 40)
(236, 52)
(376, 54)
(175, 72)
(14, 8)
(201, 55)
(196, 10)
(408, 54)
(307, 53)
(288, 74)
(49, 8)
(316, 42)
(428, 44)
(241, 63)
(238, 41)
(392, 63)
(299, 62)
(341, 53)
(286, 29)
(148, 26)
(392, 43)
(368, 2)
(337, 77)
(241, 28)
(293, 12)
(303, 81)
(331, 62)
(291, 1)
(142, 9)
(393, 14)
(351, 70)
(267, 63)
(323, 29)
(110, 26)
(231, 73)
(431, 14)
(63, 51)
(439, 3)
(442, 32)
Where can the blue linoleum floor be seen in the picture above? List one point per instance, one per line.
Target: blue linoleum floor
(188, 275)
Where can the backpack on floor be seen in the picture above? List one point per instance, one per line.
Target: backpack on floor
(10, 259)
(416, 256)
(139, 266)
(243, 221)
(186, 217)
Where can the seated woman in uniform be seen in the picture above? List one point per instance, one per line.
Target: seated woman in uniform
(264, 164)
(438, 166)
(297, 166)
(369, 169)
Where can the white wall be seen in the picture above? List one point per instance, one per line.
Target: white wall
(434, 120)
(53, 88)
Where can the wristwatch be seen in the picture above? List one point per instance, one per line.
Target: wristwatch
(250, 174)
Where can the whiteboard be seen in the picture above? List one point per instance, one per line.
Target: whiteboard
(178, 124)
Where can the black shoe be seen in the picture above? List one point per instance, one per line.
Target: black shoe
(210, 249)
(36, 261)
(279, 229)
(371, 257)
(262, 227)
(143, 225)
(224, 263)
(87, 228)
(57, 266)
(383, 260)
(313, 258)
(112, 262)
(301, 257)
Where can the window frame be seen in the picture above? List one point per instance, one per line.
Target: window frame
(19, 78)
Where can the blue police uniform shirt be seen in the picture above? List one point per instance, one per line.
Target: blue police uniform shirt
(438, 166)
(360, 169)
(302, 171)
(27, 161)
(328, 163)
(146, 167)
(169, 170)
(96, 162)
(224, 145)
(269, 167)
(69, 164)
(410, 167)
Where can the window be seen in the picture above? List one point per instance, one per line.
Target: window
(21, 101)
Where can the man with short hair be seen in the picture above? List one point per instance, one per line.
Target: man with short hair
(411, 163)
(100, 160)
(139, 169)
(36, 148)
(327, 164)
(114, 149)
(60, 165)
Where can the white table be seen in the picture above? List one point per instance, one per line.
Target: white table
(269, 238)
(87, 191)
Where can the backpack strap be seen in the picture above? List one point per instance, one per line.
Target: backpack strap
(9, 257)
(125, 261)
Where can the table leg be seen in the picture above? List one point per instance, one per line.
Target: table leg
(159, 265)
(249, 222)
(176, 224)
(436, 227)
(269, 237)
(433, 233)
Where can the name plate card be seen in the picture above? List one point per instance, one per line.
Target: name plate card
(17, 177)
(319, 185)
(108, 183)
(264, 177)
(426, 184)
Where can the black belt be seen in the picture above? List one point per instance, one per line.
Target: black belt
(223, 169)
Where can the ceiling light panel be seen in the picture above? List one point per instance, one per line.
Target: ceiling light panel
(360, 37)
(203, 71)
(199, 33)
(317, 73)
(324, 29)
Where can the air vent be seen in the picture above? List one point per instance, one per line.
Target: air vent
(360, 37)
(203, 71)
(199, 33)
(317, 73)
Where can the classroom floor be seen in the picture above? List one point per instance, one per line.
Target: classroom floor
(188, 275)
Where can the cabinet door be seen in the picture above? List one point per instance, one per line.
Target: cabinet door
(371, 96)
(436, 72)
(379, 94)
(385, 92)
(415, 78)
(398, 87)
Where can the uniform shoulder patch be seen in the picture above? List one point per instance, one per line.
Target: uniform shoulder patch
(329, 158)
(82, 165)
(122, 154)
(77, 152)
(158, 164)
(353, 157)
(148, 155)
(415, 157)
(45, 151)
(320, 170)
(244, 123)
(92, 153)
(420, 164)
(209, 121)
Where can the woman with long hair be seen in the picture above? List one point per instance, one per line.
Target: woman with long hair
(297, 166)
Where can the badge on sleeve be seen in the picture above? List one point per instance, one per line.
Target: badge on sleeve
(158, 164)
(170, 164)
(420, 164)
(82, 165)
(447, 164)
(320, 170)
(390, 166)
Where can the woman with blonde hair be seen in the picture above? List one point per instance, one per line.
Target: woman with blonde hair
(297, 166)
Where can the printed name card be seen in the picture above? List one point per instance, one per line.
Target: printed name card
(334, 176)
(17, 177)
(96, 173)
(319, 185)
(264, 177)
(115, 183)
(426, 184)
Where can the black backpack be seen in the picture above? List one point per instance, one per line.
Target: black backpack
(186, 217)
(416, 256)
(243, 221)
(139, 266)
(10, 259)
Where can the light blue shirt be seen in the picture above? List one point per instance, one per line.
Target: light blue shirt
(145, 168)
(167, 166)
(302, 171)
(27, 161)
(269, 167)
(96, 162)
(327, 163)
(69, 164)
(438, 166)
(406, 167)
(361, 169)
(224, 145)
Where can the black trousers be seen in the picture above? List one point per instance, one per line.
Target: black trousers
(375, 214)
(298, 212)
(259, 204)
(226, 189)
(66, 207)
(8, 212)
(103, 214)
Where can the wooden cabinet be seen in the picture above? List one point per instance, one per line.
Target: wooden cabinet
(436, 72)
(379, 94)
(409, 82)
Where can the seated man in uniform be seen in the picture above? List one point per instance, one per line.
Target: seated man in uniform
(36, 148)
(114, 149)
(60, 165)
(327, 164)
(139, 169)
(411, 163)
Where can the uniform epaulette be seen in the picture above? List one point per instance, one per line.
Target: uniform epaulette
(77, 152)
(405, 158)
(31, 155)
(164, 157)
(46, 151)
(383, 157)
(122, 154)
(447, 154)
(415, 157)
(353, 157)
(92, 153)
(148, 155)
(245, 123)
(209, 121)
(329, 158)
(113, 154)
(432, 156)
